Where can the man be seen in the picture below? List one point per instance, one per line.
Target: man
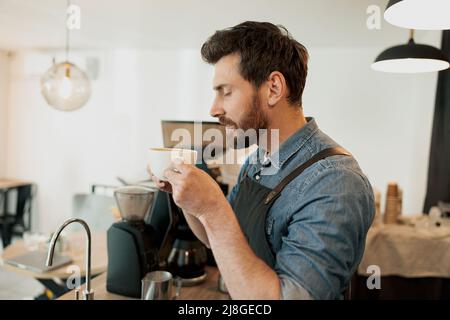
(298, 232)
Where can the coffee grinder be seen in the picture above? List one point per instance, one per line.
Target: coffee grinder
(132, 250)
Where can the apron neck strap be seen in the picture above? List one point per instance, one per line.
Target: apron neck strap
(297, 171)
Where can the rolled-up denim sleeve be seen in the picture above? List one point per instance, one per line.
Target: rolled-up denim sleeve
(326, 233)
(291, 290)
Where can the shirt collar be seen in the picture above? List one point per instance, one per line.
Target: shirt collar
(292, 145)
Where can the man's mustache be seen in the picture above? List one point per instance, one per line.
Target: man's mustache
(227, 122)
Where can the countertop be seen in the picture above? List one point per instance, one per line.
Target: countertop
(204, 291)
(76, 250)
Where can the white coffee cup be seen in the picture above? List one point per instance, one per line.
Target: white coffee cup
(160, 159)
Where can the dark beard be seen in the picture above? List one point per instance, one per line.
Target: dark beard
(255, 119)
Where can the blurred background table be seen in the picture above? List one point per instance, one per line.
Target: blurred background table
(414, 263)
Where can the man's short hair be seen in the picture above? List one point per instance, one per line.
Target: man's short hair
(263, 48)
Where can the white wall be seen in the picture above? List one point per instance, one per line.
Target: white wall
(4, 91)
(384, 119)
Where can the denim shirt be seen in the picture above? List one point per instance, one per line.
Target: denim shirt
(318, 225)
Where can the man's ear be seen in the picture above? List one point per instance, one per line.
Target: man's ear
(277, 88)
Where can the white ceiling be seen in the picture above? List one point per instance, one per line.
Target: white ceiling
(187, 23)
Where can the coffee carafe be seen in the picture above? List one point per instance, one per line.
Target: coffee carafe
(132, 251)
(188, 256)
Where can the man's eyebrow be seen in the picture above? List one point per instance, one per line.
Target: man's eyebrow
(220, 87)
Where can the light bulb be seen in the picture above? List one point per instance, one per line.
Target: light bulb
(65, 86)
(65, 89)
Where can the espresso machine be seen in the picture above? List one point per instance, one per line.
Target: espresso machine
(132, 246)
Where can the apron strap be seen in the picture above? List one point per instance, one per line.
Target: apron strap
(297, 171)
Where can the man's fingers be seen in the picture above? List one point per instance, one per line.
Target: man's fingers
(160, 184)
(163, 185)
(174, 174)
(167, 187)
(155, 179)
(171, 175)
(150, 173)
(178, 165)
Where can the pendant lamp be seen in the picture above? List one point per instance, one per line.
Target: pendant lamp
(419, 14)
(65, 86)
(411, 58)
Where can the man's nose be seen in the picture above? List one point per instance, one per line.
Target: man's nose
(216, 109)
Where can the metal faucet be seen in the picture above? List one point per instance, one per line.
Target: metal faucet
(88, 294)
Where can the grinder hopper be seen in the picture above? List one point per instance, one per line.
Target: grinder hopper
(134, 202)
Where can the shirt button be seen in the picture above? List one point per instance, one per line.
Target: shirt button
(257, 177)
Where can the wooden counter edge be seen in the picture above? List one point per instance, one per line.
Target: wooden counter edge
(204, 291)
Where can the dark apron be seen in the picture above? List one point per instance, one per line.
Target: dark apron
(254, 201)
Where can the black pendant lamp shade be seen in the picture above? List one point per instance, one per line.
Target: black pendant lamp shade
(411, 58)
(419, 14)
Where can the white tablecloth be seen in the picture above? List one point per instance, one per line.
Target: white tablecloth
(408, 251)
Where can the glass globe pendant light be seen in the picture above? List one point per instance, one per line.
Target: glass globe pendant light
(65, 86)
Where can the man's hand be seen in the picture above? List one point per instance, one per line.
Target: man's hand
(195, 225)
(194, 190)
(162, 185)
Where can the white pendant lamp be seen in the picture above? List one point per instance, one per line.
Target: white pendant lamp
(419, 14)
